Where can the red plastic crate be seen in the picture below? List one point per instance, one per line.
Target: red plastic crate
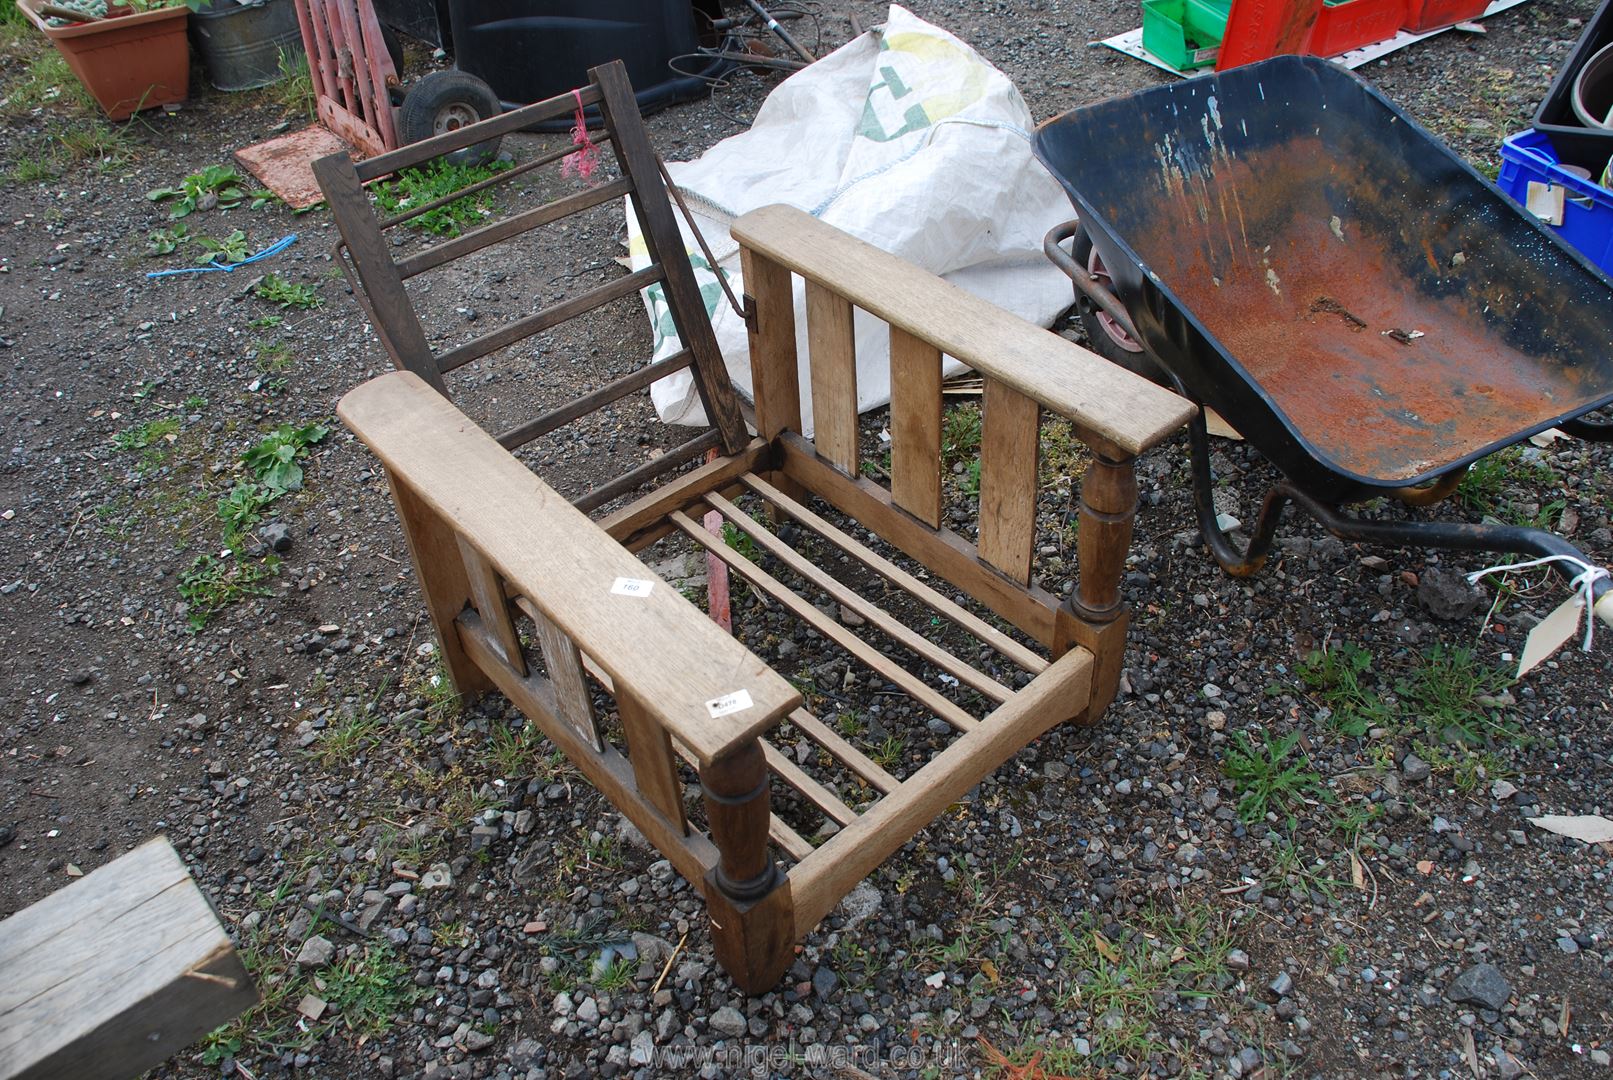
(1351, 24)
(1260, 29)
(1432, 14)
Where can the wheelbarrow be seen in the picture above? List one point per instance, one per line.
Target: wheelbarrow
(1282, 244)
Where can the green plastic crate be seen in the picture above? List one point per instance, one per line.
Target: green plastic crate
(1178, 35)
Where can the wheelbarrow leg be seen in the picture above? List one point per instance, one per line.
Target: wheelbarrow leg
(1243, 563)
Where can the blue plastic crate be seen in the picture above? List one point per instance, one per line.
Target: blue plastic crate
(1587, 207)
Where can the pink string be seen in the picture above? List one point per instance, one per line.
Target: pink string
(586, 159)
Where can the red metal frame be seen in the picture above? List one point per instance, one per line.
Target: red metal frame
(352, 72)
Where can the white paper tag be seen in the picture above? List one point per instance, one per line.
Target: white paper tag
(1545, 201)
(1549, 634)
(738, 701)
(632, 586)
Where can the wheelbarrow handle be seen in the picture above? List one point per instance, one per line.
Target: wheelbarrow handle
(1053, 246)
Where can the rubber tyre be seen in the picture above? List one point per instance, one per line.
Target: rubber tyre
(446, 101)
(1101, 338)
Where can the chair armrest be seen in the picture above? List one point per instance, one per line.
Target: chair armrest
(663, 649)
(1112, 409)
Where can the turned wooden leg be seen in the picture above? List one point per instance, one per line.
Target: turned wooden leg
(747, 895)
(1093, 616)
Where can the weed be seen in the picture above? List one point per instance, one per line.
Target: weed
(1336, 676)
(295, 89)
(510, 749)
(850, 724)
(212, 584)
(274, 460)
(969, 481)
(271, 357)
(1265, 779)
(1449, 696)
(108, 147)
(142, 436)
(226, 252)
(604, 851)
(1486, 481)
(277, 290)
(370, 989)
(48, 81)
(887, 753)
(739, 540)
(194, 403)
(617, 976)
(960, 432)
(215, 185)
(1339, 954)
(243, 507)
(267, 322)
(416, 187)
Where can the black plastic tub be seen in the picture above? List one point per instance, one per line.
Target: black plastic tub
(424, 20)
(1575, 143)
(240, 41)
(529, 51)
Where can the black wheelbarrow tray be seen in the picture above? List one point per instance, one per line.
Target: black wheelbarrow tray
(1293, 250)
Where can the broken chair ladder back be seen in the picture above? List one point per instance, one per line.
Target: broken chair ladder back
(530, 597)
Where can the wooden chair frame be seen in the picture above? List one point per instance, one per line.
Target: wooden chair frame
(616, 644)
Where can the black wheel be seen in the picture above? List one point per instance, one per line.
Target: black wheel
(446, 101)
(1104, 335)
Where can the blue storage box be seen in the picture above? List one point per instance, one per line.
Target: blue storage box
(1587, 208)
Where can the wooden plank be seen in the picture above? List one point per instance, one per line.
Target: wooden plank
(833, 357)
(942, 551)
(843, 752)
(878, 617)
(610, 772)
(660, 645)
(665, 245)
(115, 973)
(1009, 448)
(881, 664)
(649, 748)
(789, 841)
(551, 316)
(487, 593)
(787, 770)
(612, 391)
(639, 475)
(822, 878)
(394, 318)
(683, 491)
(1109, 406)
(775, 371)
(514, 225)
(1022, 657)
(572, 701)
(916, 426)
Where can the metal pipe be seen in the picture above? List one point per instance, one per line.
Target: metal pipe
(789, 39)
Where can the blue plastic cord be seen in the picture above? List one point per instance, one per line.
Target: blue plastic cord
(273, 249)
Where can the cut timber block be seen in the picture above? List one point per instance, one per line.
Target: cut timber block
(115, 973)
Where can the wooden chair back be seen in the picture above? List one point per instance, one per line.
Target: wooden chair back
(366, 255)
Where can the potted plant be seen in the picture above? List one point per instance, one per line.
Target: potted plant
(128, 56)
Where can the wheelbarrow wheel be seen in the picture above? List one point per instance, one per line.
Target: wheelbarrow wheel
(1105, 336)
(446, 101)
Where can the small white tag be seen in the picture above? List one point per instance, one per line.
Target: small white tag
(729, 703)
(1549, 634)
(632, 586)
(1545, 201)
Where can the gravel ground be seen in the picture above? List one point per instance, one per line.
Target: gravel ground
(1297, 844)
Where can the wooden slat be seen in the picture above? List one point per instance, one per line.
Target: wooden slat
(554, 315)
(822, 878)
(916, 426)
(487, 593)
(524, 433)
(941, 605)
(818, 795)
(843, 752)
(883, 665)
(572, 701)
(882, 620)
(793, 843)
(394, 317)
(115, 973)
(608, 770)
(640, 475)
(649, 748)
(1109, 406)
(504, 176)
(1008, 460)
(627, 522)
(477, 239)
(663, 647)
(665, 245)
(503, 124)
(833, 356)
(775, 374)
(944, 552)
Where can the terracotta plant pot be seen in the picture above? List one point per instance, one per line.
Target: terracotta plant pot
(127, 62)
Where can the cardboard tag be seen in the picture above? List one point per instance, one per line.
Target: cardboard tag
(738, 701)
(1545, 201)
(629, 586)
(1549, 634)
